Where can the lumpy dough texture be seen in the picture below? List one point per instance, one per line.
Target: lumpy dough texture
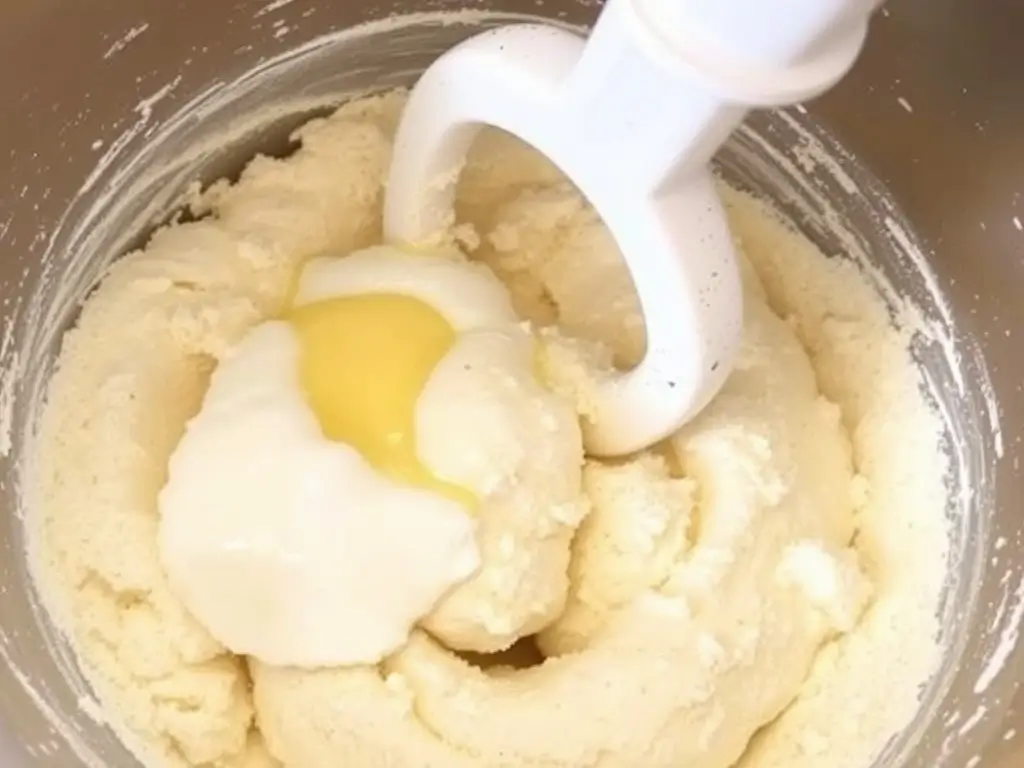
(712, 587)
(702, 636)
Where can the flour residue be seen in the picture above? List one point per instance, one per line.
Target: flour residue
(9, 364)
(276, 5)
(144, 115)
(9, 371)
(123, 42)
(1009, 631)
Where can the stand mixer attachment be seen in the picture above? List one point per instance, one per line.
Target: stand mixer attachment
(632, 115)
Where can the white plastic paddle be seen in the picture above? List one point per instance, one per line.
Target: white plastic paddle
(632, 115)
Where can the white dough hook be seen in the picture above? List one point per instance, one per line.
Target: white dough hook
(633, 116)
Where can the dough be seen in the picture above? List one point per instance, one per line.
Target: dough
(712, 590)
(294, 549)
(701, 641)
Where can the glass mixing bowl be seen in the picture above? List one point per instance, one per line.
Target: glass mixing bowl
(914, 164)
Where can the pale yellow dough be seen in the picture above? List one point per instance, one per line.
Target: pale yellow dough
(713, 586)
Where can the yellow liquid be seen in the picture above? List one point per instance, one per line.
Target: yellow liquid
(364, 362)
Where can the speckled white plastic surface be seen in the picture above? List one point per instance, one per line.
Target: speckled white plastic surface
(633, 116)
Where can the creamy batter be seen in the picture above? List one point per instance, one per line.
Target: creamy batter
(760, 590)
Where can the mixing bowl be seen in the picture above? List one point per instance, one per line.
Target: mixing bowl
(914, 165)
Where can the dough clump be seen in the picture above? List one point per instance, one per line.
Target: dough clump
(292, 547)
(695, 588)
